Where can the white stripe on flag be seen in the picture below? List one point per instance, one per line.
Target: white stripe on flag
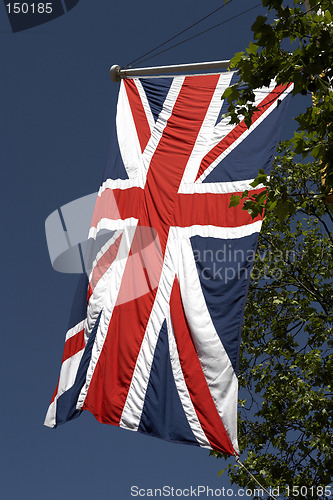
(128, 140)
(120, 184)
(160, 125)
(104, 299)
(66, 381)
(76, 329)
(145, 104)
(216, 365)
(206, 137)
(218, 187)
(260, 95)
(224, 233)
(133, 407)
(112, 225)
(182, 390)
(102, 251)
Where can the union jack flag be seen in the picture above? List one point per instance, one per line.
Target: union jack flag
(154, 348)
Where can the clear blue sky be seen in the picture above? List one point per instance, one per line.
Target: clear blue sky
(56, 109)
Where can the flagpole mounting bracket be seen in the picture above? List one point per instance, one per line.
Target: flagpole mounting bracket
(115, 73)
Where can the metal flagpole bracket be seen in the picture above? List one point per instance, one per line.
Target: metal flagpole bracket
(116, 73)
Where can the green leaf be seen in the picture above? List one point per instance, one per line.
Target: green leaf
(259, 23)
(234, 201)
(260, 179)
(252, 48)
(235, 61)
(231, 93)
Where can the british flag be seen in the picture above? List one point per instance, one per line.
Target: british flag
(155, 346)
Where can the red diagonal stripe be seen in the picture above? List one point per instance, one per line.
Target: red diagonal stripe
(240, 129)
(138, 112)
(73, 345)
(103, 265)
(117, 204)
(194, 377)
(55, 393)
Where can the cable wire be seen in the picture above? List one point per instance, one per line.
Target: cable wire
(177, 35)
(193, 36)
(140, 59)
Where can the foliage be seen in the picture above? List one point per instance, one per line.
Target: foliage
(285, 422)
(297, 47)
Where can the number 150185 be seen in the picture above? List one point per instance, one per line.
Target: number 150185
(29, 8)
(312, 491)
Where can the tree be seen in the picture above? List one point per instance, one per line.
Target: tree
(285, 421)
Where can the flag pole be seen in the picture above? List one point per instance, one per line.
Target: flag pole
(116, 73)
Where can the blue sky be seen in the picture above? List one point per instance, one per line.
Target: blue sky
(57, 106)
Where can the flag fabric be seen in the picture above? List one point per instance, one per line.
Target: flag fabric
(154, 334)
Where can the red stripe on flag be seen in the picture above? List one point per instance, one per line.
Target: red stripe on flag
(112, 376)
(73, 345)
(171, 156)
(117, 204)
(194, 377)
(213, 209)
(55, 393)
(103, 265)
(240, 129)
(138, 112)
